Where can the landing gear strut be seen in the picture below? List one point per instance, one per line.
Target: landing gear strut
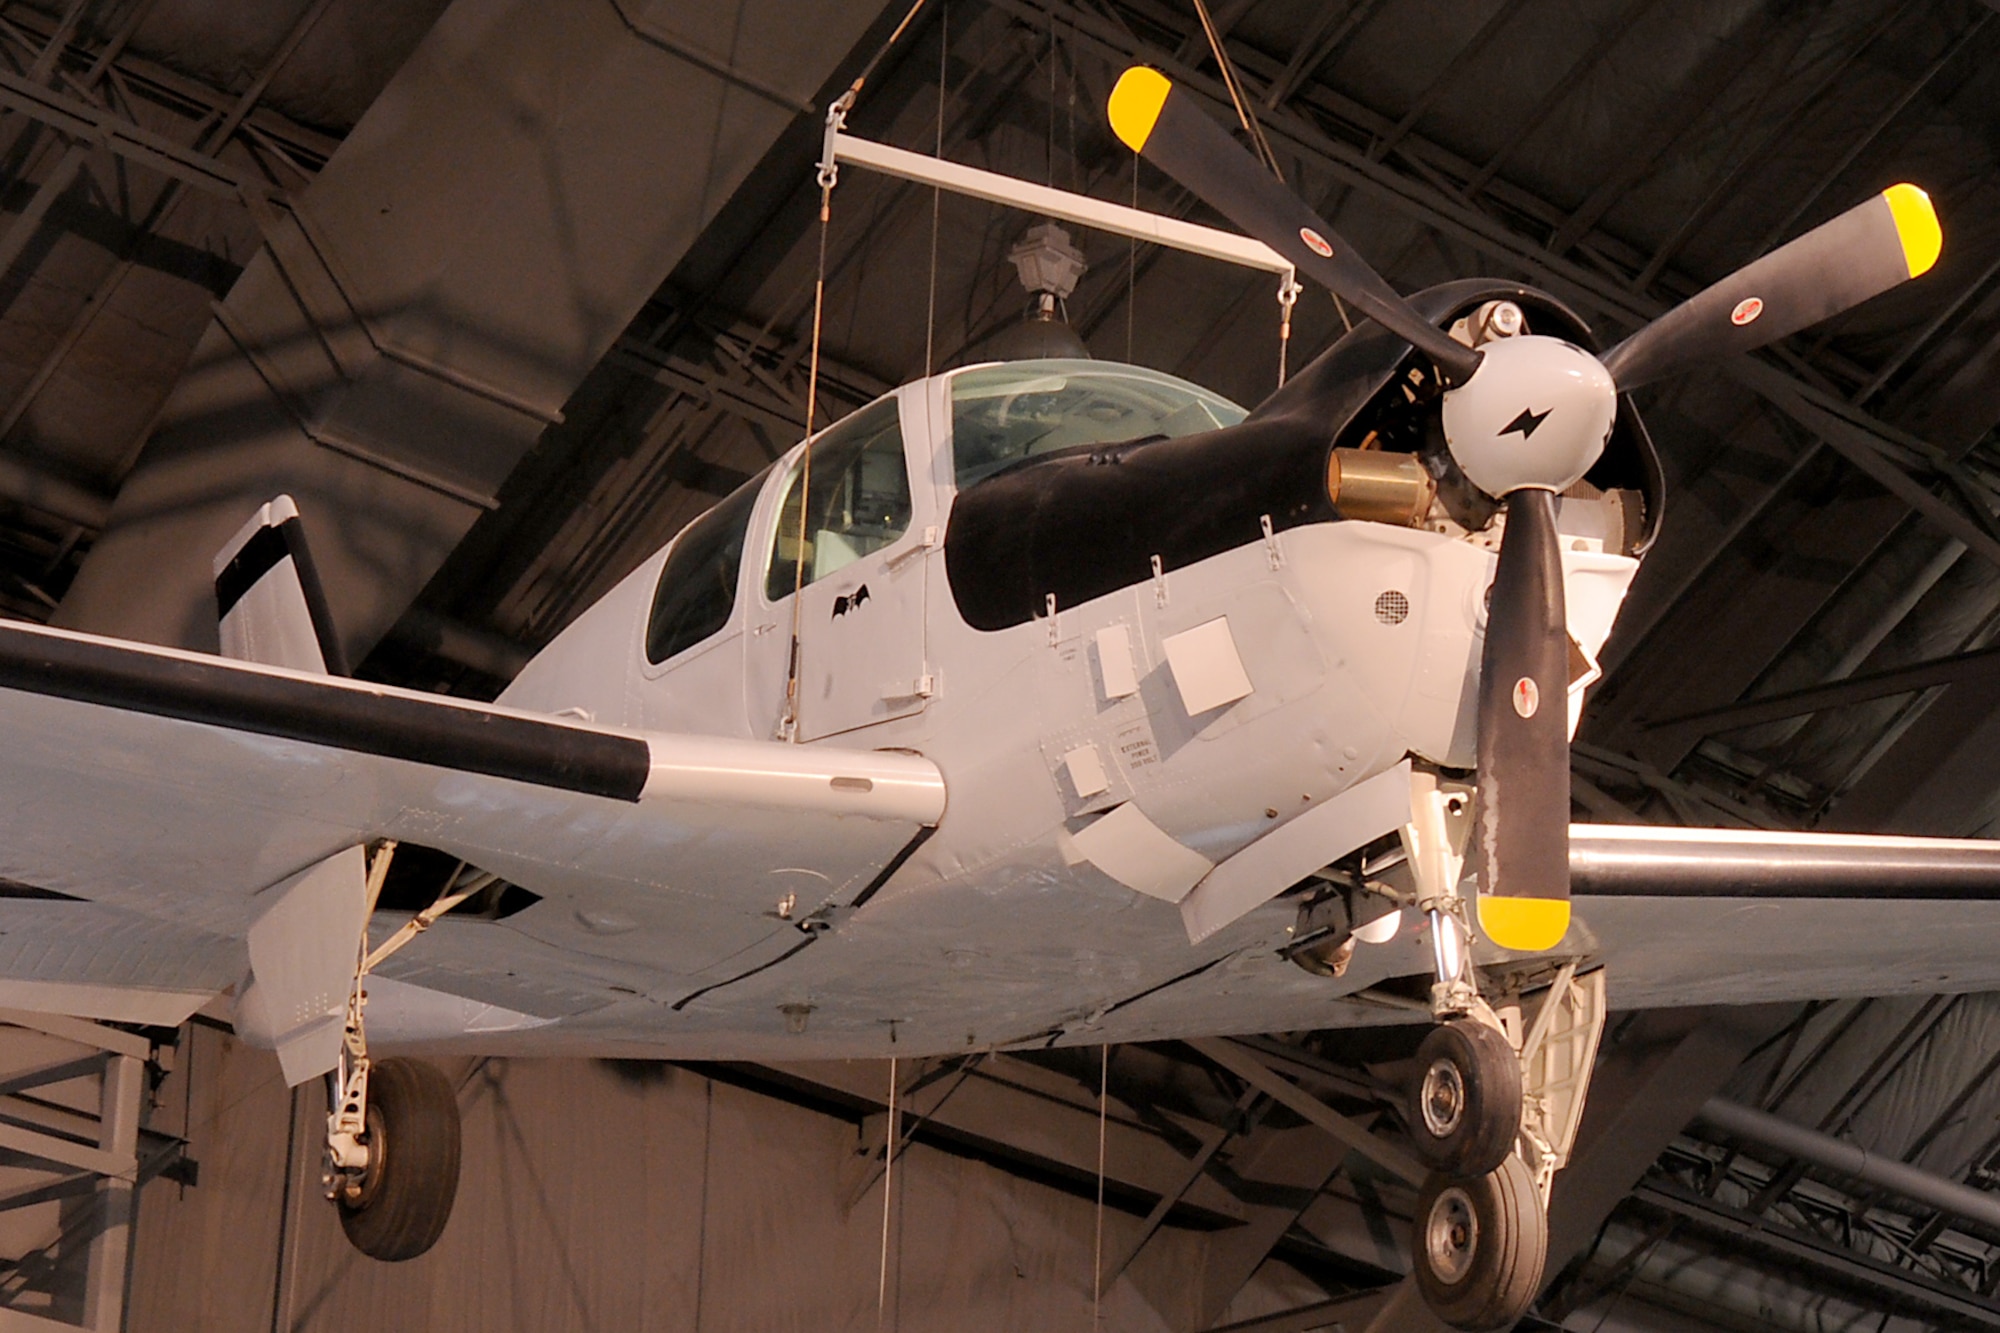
(1467, 1102)
(392, 1128)
(1495, 1101)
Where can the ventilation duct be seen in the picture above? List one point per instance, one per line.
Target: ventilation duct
(426, 306)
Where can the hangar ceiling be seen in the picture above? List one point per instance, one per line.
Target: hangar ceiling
(572, 340)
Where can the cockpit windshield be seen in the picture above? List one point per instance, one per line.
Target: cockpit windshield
(1003, 414)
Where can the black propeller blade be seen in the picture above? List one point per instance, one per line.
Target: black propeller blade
(1170, 131)
(1521, 814)
(1837, 265)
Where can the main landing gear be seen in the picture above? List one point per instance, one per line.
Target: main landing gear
(1496, 1096)
(392, 1128)
(392, 1149)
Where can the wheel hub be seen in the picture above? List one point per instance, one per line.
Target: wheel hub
(1442, 1098)
(1451, 1235)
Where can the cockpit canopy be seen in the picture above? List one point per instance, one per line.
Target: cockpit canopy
(1005, 414)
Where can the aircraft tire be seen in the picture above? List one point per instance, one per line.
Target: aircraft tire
(1480, 1245)
(414, 1142)
(1465, 1110)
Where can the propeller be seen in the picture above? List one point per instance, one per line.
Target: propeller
(1870, 248)
(1525, 417)
(1165, 125)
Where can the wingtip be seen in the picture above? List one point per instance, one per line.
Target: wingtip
(1135, 105)
(1916, 226)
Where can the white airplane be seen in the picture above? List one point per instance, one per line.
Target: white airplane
(1035, 703)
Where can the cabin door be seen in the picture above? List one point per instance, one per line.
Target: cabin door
(863, 555)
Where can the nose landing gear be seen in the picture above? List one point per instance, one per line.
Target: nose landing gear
(1468, 1098)
(1495, 1101)
(1479, 1244)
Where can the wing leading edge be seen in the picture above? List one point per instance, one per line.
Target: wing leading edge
(488, 740)
(1646, 861)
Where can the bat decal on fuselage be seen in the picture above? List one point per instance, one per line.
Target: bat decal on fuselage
(850, 601)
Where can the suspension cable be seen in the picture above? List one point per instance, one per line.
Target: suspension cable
(937, 192)
(1235, 87)
(829, 176)
(1097, 1261)
(1288, 296)
(854, 89)
(890, 1142)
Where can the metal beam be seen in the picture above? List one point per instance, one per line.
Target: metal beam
(1011, 1111)
(50, 1148)
(1664, 126)
(1846, 1158)
(20, 1321)
(168, 87)
(1655, 1071)
(110, 1250)
(1278, 1174)
(1212, 1141)
(1834, 694)
(1865, 449)
(753, 370)
(1774, 131)
(1247, 1066)
(1743, 1232)
(1342, 1312)
(1469, 50)
(83, 120)
(1873, 132)
(81, 1031)
(1119, 220)
(1318, 47)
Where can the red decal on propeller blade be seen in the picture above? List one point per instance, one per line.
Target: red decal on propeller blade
(1316, 242)
(1746, 310)
(1527, 698)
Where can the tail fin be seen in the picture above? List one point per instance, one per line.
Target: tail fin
(268, 594)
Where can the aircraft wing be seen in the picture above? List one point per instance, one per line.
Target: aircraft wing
(1734, 916)
(172, 787)
(1643, 860)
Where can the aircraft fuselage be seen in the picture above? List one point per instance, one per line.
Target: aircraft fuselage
(1212, 702)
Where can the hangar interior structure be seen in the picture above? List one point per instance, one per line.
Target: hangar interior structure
(575, 308)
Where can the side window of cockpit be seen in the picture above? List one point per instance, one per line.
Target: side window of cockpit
(856, 500)
(697, 588)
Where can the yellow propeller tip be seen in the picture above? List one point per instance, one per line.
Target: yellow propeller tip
(1525, 925)
(1135, 105)
(1916, 226)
